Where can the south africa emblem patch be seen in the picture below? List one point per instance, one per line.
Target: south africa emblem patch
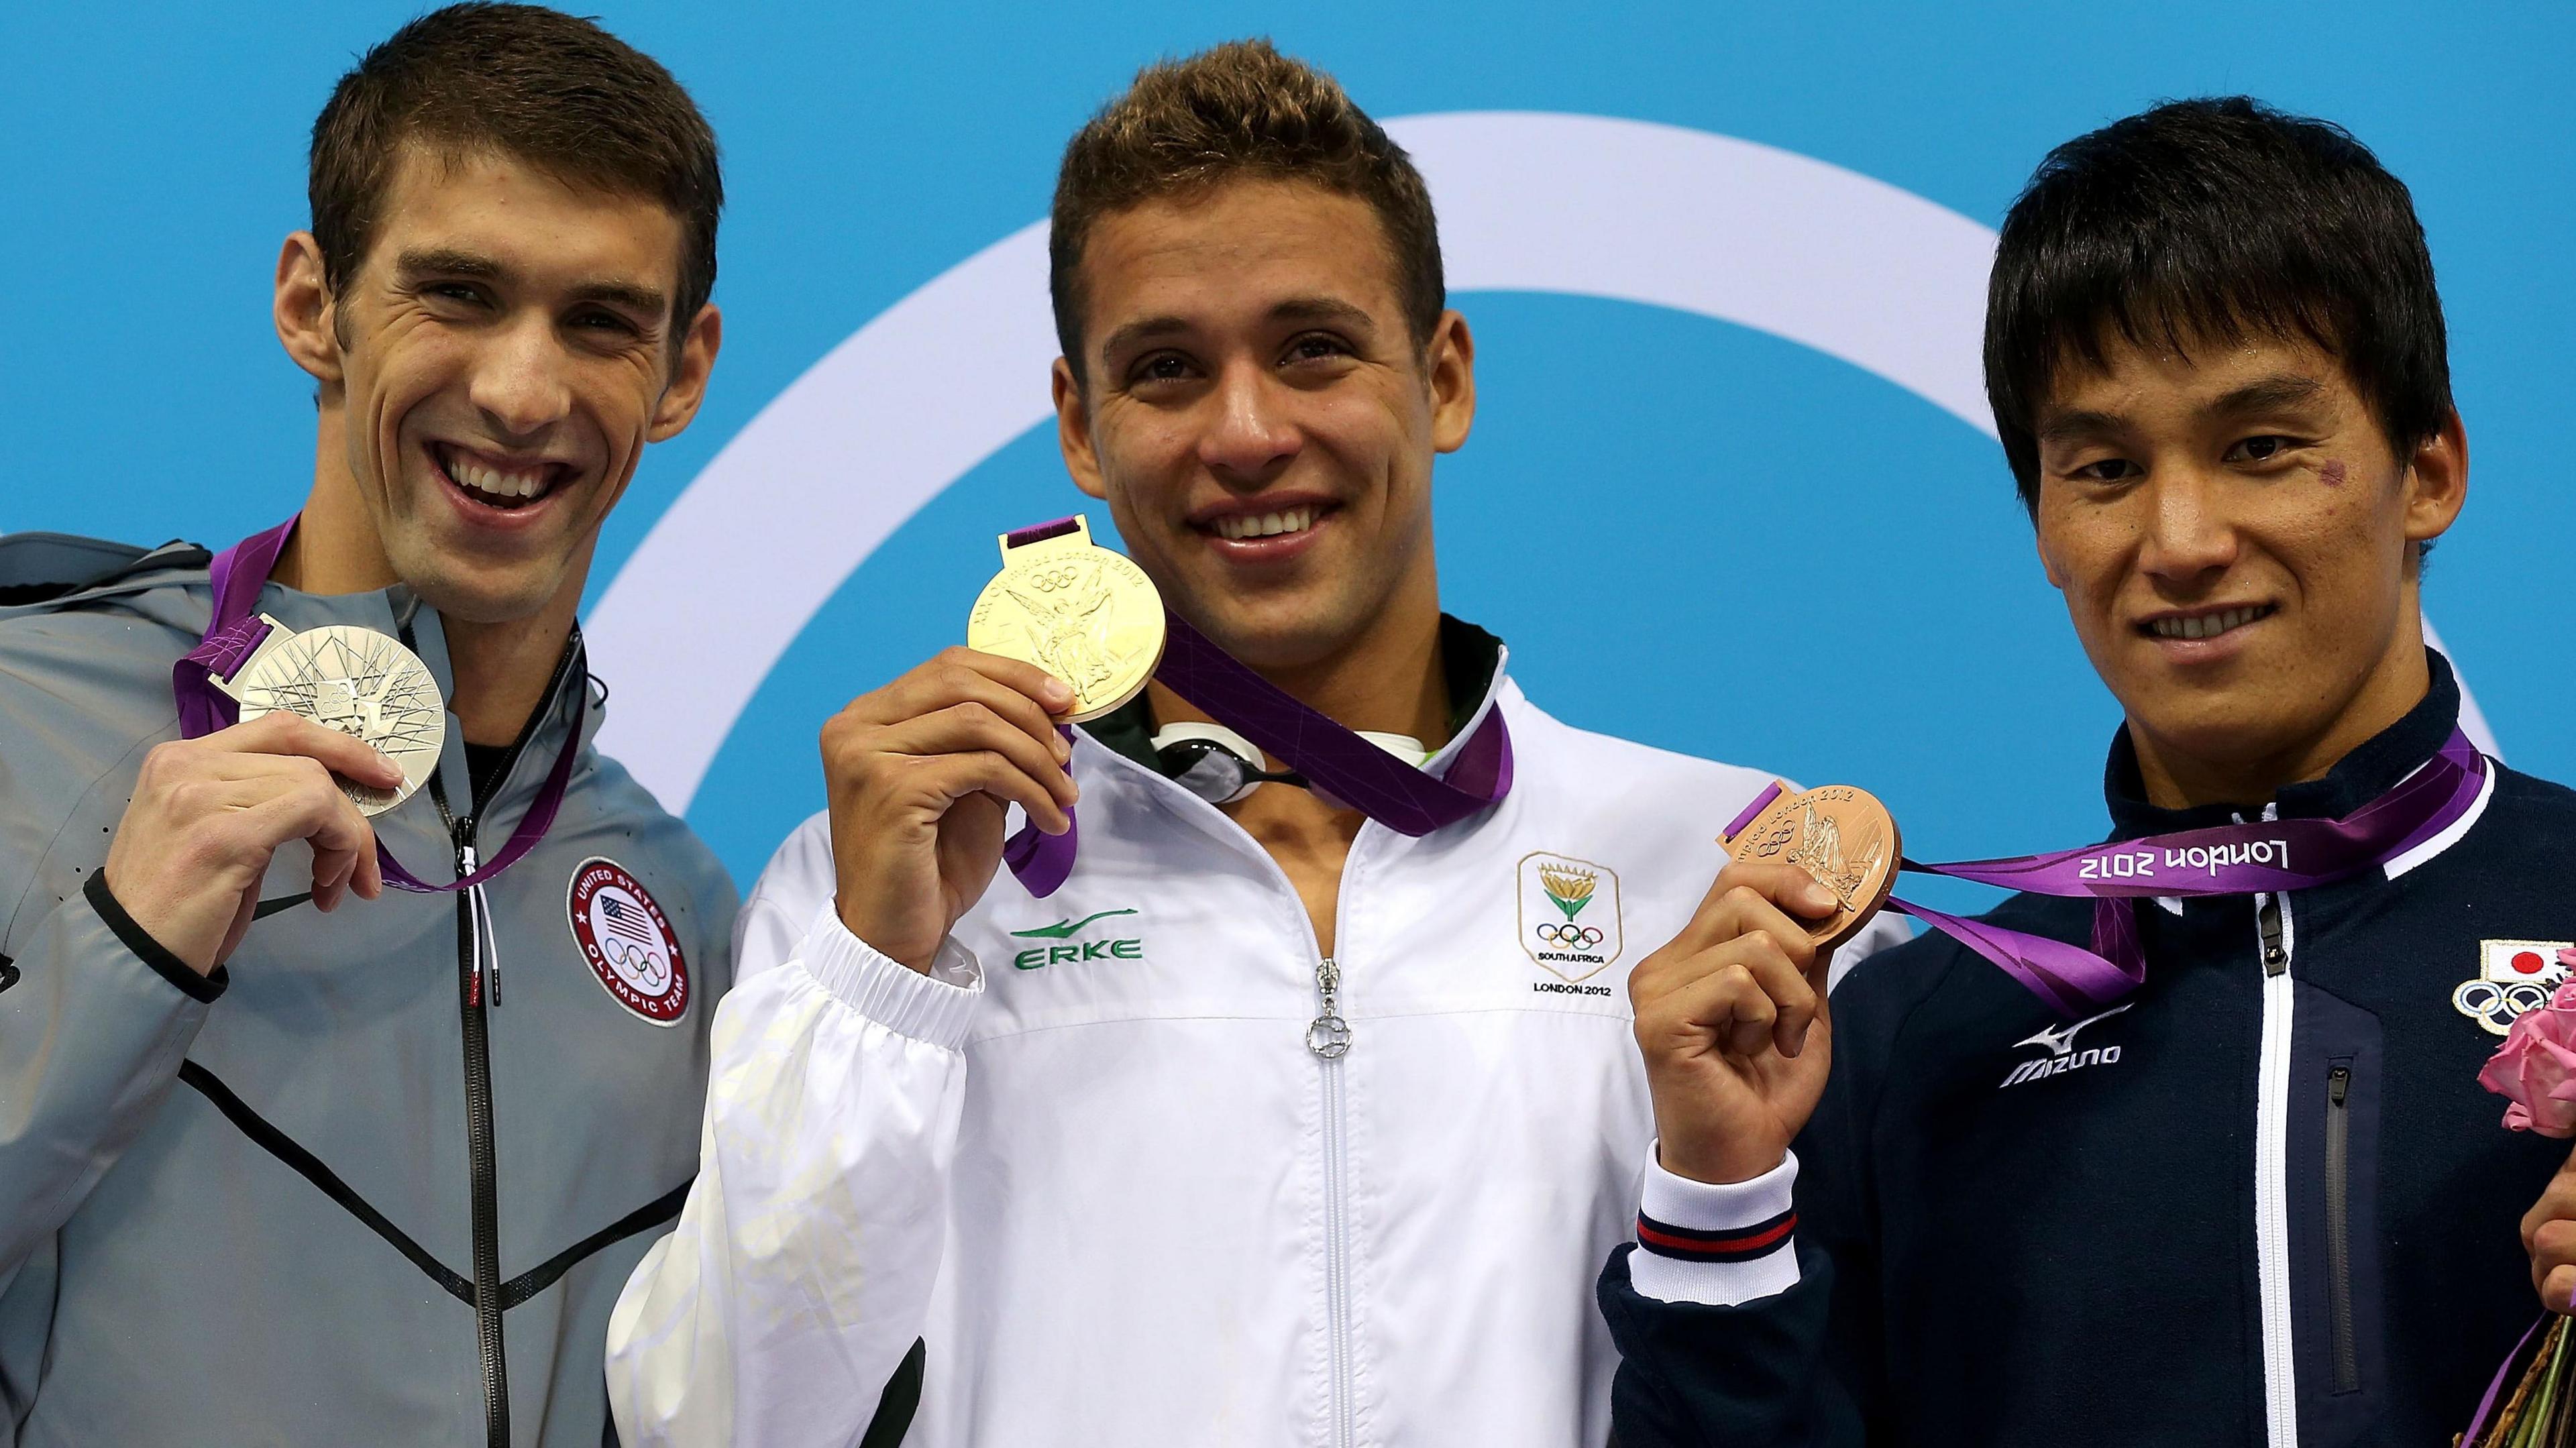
(628, 942)
(1569, 915)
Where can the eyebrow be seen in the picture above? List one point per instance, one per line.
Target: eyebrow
(449, 262)
(446, 261)
(2076, 425)
(1142, 330)
(1292, 309)
(2285, 389)
(1322, 309)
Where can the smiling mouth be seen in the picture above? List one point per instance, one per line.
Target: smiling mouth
(2206, 625)
(1280, 524)
(496, 485)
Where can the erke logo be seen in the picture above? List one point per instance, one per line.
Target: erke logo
(2062, 1056)
(1038, 957)
(1569, 920)
(2513, 976)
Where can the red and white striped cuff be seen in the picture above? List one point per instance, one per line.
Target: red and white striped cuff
(1718, 1245)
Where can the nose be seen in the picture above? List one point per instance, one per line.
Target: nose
(1251, 437)
(2189, 537)
(519, 382)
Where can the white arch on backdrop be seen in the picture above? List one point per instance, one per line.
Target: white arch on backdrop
(1529, 201)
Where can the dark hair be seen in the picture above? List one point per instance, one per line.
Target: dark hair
(547, 88)
(1240, 109)
(2205, 222)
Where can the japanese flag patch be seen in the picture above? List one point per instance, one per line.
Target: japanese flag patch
(2513, 976)
(628, 942)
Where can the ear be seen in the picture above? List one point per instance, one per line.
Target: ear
(1073, 431)
(305, 313)
(678, 405)
(2437, 481)
(1451, 362)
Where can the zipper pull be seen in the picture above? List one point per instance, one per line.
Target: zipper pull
(2267, 920)
(1328, 1035)
(2338, 1084)
(487, 942)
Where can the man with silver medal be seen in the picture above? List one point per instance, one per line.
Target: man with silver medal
(1273, 1082)
(289, 1155)
(2185, 1143)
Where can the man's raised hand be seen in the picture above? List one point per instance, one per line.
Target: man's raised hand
(207, 815)
(1732, 1019)
(920, 774)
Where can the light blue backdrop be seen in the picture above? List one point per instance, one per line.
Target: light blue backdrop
(1626, 459)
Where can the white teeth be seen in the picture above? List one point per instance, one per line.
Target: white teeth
(1266, 525)
(2205, 625)
(476, 476)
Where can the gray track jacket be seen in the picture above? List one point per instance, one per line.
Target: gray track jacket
(330, 1195)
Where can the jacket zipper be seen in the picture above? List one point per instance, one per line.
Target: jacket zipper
(479, 991)
(1328, 1036)
(473, 999)
(2347, 1359)
(2271, 1172)
(1328, 1039)
(478, 1138)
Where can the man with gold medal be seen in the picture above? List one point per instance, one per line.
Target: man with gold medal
(1274, 1083)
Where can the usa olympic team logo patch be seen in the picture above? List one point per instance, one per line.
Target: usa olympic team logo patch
(628, 942)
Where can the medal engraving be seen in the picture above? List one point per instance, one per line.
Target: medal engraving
(1840, 835)
(358, 681)
(1077, 610)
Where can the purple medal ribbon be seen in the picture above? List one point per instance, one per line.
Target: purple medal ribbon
(2259, 857)
(1335, 760)
(234, 633)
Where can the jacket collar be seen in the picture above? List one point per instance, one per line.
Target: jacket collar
(2372, 768)
(1471, 660)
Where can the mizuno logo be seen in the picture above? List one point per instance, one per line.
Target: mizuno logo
(2061, 1040)
(2062, 1056)
(1063, 929)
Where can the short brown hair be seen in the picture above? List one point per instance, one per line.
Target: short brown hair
(1239, 110)
(547, 88)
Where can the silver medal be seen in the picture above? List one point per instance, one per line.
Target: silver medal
(358, 681)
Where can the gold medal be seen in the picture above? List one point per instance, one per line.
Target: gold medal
(1840, 835)
(1073, 608)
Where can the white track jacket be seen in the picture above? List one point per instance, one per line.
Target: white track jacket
(1092, 1161)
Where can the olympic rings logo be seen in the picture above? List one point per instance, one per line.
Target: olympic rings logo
(1573, 937)
(643, 967)
(2498, 1004)
(1055, 578)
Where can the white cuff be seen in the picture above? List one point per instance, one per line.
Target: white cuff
(936, 1008)
(1716, 1245)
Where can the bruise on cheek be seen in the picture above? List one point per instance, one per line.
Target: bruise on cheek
(2332, 473)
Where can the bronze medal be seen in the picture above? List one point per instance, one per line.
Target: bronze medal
(1077, 610)
(1840, 835)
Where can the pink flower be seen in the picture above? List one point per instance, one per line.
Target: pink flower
(2535, 1068)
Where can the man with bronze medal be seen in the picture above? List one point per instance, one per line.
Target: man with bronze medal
(287, 1155)
(1273, 1083)
(2185, 1143)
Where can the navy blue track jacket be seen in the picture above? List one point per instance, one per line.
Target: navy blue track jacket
(2265, 1201)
